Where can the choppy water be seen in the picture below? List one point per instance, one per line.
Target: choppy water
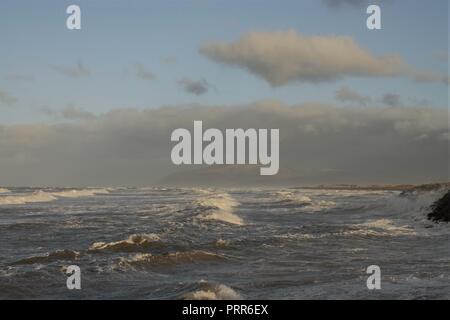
(157, 243)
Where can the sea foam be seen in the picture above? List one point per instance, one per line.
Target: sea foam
(208, 291)
(220, 207)
(44, 196)
(133, 242)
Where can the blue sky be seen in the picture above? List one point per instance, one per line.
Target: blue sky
(116, 35)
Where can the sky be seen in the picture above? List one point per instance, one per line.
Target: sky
(134, 57)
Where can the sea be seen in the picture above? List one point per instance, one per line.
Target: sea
(221, 243)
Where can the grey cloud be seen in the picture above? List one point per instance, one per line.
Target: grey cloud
(142, 72)
(345, 94)
(392, 100)
(284, 57)
(321, 143)
(69, 113)
(197, 87)
(7, 99)
(351, 96)
(77, 71)
(428, 76)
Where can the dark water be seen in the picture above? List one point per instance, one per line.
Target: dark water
(160, 243)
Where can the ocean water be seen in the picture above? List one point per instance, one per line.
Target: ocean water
(161, 243)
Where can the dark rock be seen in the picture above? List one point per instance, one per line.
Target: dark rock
(441, 209)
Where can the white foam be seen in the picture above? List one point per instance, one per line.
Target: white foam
(35, 197)
(214, 292)
(222, 243)
(42, 196)
(146, 260)
(80, 193)
(385, 227)
(222, 208)
(307, 203)
(293, 197)
(374, 228)
(133, 240)
(4, 190)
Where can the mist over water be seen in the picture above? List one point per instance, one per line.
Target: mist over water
(162, 243)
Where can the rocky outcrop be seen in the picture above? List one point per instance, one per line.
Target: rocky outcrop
(440, 210)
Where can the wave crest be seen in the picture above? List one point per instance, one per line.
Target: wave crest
(372, 228)
(220, 207)
(308, 204)
(80, 193)
(4, 190)
(50, 257)
(43, 196)
(143, 260)
(211, 291)
(133, 242)
(383, 227)
(293, 197)
(36, 197)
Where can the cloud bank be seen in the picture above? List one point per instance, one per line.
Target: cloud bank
(287, 56)
(318, 144)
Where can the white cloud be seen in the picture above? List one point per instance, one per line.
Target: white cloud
(284, 57)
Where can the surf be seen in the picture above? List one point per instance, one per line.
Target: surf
(219, 207)
(46, 196)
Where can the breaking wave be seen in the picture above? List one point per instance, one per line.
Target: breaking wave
(36, 197)
(143, 260)
(4, 190)
(43, 196)
(80, 193)
(383, 227)
(220, 207)
(309, 204)
(132, 243)
(50, 257)
(293, 197)
(211, 291)
(372, 228)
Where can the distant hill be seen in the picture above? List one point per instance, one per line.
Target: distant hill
(249, 175)
(244, 175)
(228, 176)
